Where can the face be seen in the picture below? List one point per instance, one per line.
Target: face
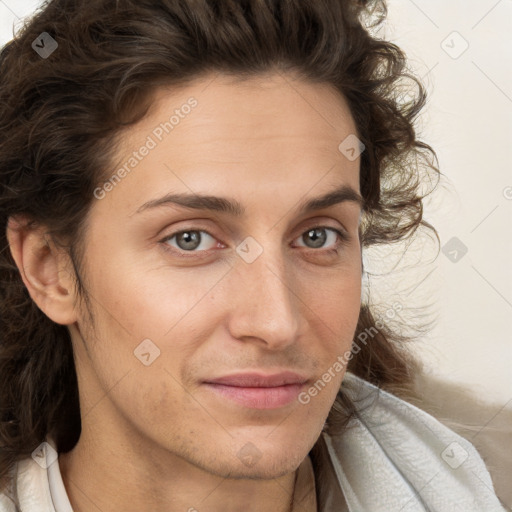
(199, 311)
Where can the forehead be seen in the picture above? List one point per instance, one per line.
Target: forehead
(262, 107)
(220, 131)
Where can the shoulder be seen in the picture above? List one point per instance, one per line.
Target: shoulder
(8, 501)
(7, 504)
(394, 456)
(28, 489)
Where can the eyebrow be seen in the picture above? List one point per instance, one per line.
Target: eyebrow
(235, 208)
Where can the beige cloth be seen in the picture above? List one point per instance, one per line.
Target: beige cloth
(484, 423)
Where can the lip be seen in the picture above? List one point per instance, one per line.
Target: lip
(259, 380)
(257, 390)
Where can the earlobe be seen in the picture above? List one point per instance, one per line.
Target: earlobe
(43, 269)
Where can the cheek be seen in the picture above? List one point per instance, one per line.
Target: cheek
(155, 300)
(335, 300)
(335, 308)
(156, 393)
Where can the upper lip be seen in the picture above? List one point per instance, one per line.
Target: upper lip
(259, 380)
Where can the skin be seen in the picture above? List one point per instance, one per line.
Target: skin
(153, 437)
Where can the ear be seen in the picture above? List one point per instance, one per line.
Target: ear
(44, 268)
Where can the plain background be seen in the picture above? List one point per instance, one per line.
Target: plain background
(462, 51)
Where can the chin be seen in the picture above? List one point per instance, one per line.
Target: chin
(265, 458)
(269, 467)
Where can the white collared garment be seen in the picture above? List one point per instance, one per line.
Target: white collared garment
(392, 457)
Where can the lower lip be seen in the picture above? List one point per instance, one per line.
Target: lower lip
(258, 398)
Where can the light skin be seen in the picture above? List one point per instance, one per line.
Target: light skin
(155, 438)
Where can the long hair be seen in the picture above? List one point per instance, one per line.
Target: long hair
(61, 114)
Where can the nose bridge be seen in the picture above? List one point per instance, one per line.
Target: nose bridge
(265, 304)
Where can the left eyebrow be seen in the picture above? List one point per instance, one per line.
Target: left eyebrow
(233, 207)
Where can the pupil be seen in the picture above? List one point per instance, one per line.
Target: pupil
(318, 240)
(191, 240)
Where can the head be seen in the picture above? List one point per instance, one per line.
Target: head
(114, 291)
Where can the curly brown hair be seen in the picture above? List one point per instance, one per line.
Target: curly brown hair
(60, 118)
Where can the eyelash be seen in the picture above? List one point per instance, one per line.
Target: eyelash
(343, 239)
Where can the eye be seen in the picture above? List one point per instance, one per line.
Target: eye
(195, 241)
(318, 236)
(191, 240)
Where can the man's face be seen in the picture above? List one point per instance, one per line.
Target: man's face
(273, 289)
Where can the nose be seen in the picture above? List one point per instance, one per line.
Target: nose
(264, 303)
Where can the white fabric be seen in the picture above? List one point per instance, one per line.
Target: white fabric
(393, 457)
(397, 457)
